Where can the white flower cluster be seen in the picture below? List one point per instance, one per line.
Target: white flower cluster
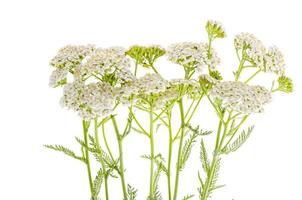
(150, 89)
(270, 60)
(241, 97)
(91, 100)
(107, 62)
(253, 48)
(57, 77)
(71, 55)
(194, 55)
(274, 61)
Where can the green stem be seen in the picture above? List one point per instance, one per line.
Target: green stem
(170, 154)
(96, 136)
(154, 69)
(106, 143)
(85, 131)
(211, 174)
(135, 69)
(121, 156)
(182, 117)
(240, 68)
(251, 77)
(151, 189)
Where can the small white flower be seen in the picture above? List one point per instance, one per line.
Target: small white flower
(90, 101)
(193, 55)
(274, 61)
(106, 61)
(58, 77)
(71, 56)
(241, 97)
(253, 48)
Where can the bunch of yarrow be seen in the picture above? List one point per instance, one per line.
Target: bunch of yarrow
(98, 82)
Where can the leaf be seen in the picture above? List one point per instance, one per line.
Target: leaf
(159, 161)
(97, 183)
(189, 196)
(239, 141)
(131, 193)
(204, 157)
(66, 151)
(188, 145)
(212, 184)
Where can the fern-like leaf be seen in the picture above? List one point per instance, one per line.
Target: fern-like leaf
(239, 141)
(204, 158)
(66, 151)
(189, 196)
(131, 193)
(97, 183)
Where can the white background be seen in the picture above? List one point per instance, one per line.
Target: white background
(268, 166)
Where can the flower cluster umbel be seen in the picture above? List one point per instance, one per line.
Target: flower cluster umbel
(98, 81)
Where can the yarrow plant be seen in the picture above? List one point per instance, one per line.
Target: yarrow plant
(97, 82)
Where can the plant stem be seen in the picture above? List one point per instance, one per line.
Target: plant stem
(85, 132)
(251, 77)
(135, 69)
(211, 174)
(121, 156)
(182, 117)
(106, 143)
(240, 68)
(169, 154)
(96, 136)
(151, 195)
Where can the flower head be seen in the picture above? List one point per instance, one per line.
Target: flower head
(90, 101)
(241, 97)
(192, 55)
(58, 77)
(71, 55)
(146, 55)
(215, 29)
(110, 65)
(274, 61)
(251, 47)
(285, 84)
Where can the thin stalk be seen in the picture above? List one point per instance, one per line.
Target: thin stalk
(151, 195)
(240, 68)
(121, 156)
(251, 77)
(106, 143)
(211, 174)
(182, 117)
(135, 69)
(96, 136)
(154, 69)
(85, 132)
(169, 154)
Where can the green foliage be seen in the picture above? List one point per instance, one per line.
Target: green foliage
(97, 183)
(145, 56)
(189, 196)
(285, 84)
(239, 141)
(131, 193)
(189, 143)
(66, 151)
(212, 183)
(159, 161)
(204, 158)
